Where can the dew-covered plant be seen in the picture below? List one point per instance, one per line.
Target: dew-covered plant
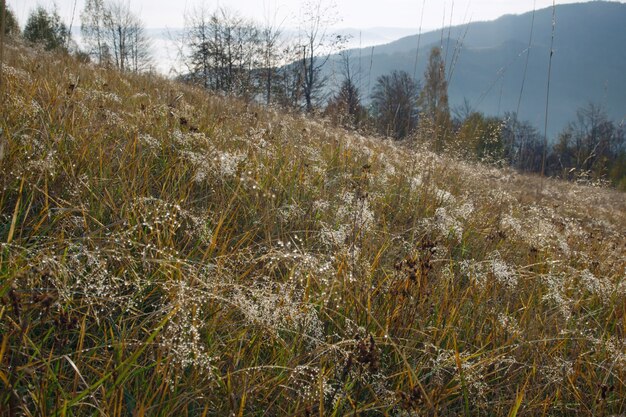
(164, 251)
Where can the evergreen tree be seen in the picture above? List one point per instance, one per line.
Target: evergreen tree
(345, 106)
(46, 28)
(11, 26)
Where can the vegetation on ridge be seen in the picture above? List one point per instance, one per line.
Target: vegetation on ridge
(167, 251)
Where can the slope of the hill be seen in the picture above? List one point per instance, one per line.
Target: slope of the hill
(588, 62)
(167, 252)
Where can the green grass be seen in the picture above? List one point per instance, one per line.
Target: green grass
(169, 252)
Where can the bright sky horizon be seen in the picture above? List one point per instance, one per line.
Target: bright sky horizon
(357, 14)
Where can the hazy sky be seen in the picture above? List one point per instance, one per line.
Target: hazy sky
(354, 13)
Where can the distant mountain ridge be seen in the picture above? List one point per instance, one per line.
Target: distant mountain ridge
(589, 62)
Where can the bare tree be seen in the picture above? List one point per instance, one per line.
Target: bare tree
(434, 97)
(92, 28)
(590, 142)
(223, 51)
(125, 36)
(395, 104)
(115, 34)
(287, 88)
(316, 44)
(463, 111)
(270, 43)
(198, 39)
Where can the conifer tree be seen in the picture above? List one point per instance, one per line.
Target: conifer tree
(10, 25)
(46, 28)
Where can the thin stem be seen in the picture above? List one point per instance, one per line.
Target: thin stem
(545, 128)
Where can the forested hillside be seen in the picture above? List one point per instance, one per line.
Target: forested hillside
(486, 62)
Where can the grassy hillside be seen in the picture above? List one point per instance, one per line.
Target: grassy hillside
(168, 252)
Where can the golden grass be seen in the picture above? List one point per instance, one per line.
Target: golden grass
(169, 252)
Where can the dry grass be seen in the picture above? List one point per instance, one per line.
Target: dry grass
(168, 252)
